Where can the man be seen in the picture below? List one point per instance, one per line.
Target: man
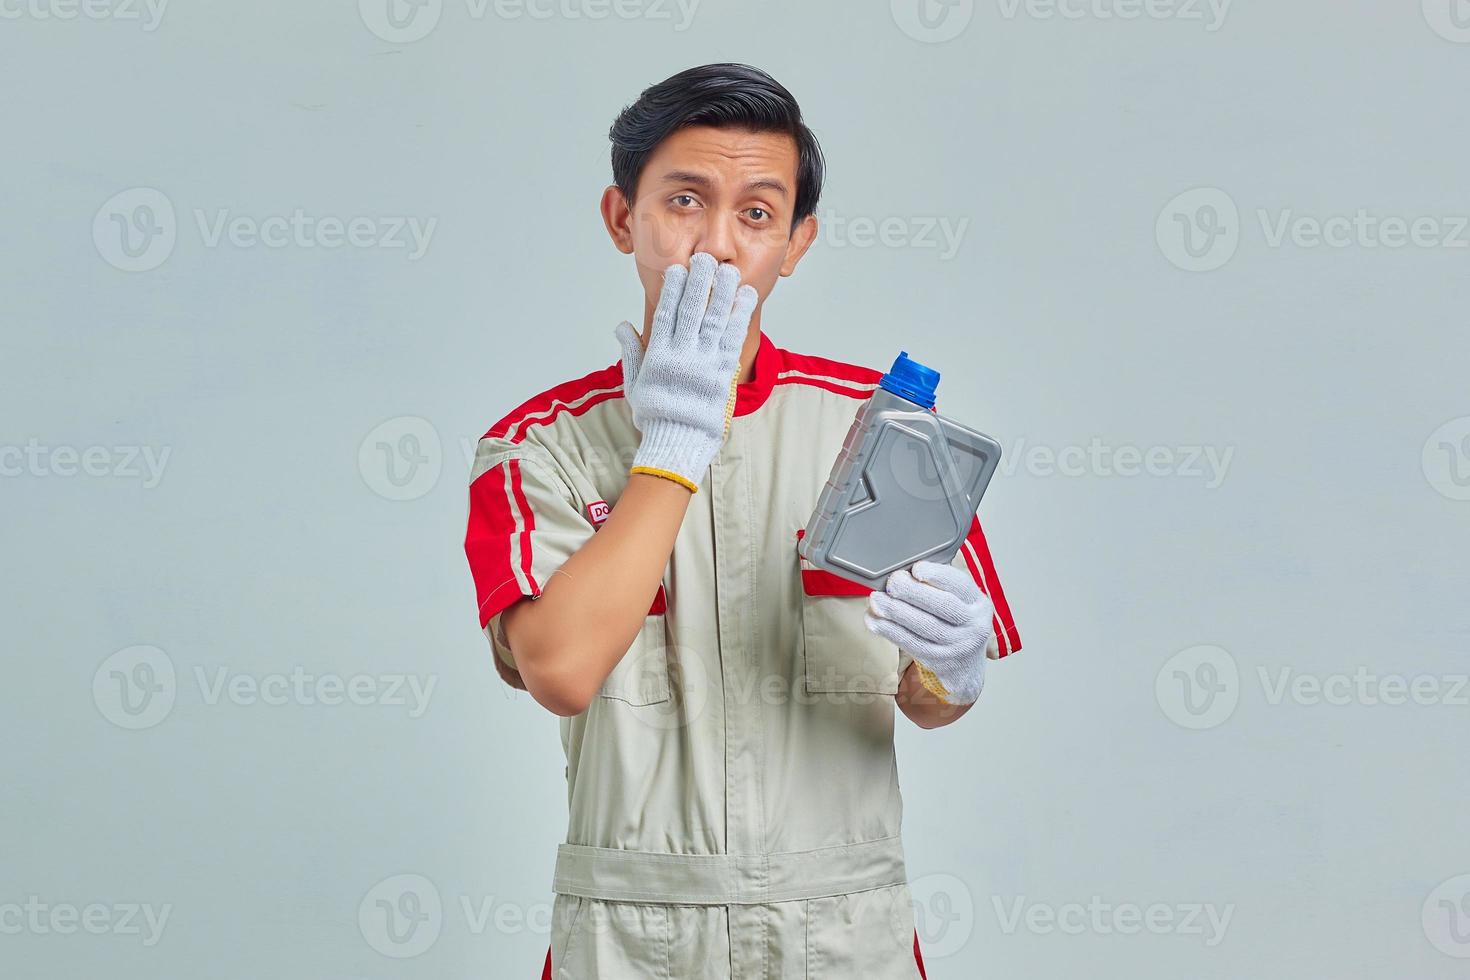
(726, 709)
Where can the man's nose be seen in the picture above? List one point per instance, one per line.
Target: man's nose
(718, 238)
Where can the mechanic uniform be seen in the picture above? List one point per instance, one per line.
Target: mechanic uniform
(733, 798)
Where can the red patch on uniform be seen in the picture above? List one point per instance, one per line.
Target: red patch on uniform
(597, 512)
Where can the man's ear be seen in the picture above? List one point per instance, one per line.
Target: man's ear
(802, 237)
(618, 218)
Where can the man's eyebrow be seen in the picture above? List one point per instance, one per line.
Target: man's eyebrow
(700, 180)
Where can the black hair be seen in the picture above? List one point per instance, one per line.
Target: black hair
(723, 95)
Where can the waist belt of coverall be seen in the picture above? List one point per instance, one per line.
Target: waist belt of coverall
(616, 874)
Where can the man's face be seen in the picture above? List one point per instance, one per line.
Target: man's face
(728, 192)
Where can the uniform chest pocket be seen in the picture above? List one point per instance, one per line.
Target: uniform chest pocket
(642, 676)
(839, 653)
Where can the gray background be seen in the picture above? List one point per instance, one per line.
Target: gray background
(279, 537)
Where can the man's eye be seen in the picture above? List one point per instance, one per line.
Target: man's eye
(682, 197)
(763, 213)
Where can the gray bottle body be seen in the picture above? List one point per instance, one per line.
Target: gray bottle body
(904, 487)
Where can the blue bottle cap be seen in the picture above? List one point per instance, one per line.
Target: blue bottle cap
(912, 380)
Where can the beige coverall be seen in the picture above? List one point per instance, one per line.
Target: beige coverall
(734, 805)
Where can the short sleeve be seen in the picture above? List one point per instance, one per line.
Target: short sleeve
(974, 556)
(524, 523)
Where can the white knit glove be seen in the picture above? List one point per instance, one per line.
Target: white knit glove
(943, 620)
(682, 388)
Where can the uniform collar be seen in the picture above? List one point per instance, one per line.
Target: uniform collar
(752, 394)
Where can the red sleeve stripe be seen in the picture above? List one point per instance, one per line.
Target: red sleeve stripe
(977, 557)
(498, 542)
(527, 518)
